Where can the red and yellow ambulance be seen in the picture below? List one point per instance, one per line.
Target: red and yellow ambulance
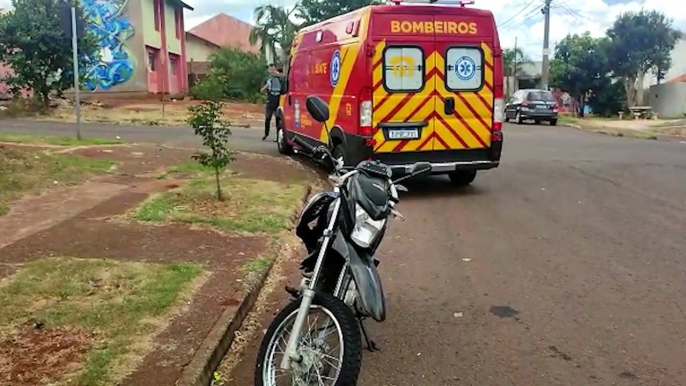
(405, 83)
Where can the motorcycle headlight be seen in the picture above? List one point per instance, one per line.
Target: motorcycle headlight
(366, 229)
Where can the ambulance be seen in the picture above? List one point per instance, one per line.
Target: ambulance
(407, 81)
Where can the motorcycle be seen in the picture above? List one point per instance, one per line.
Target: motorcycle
(317, 338)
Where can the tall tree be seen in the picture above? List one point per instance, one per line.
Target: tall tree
(38, 51)
(580, 65)
(314, 11)
(274, 27)
(640, 43)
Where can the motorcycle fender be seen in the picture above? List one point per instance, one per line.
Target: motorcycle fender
(366, 277)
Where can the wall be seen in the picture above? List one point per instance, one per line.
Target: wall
(678, 65)
(151, 37)
(198, 50)
(668, 100)
(173, 43)
(122, 62)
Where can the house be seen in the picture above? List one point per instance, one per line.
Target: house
(219, 31)
(668, 96)
(146, 52)
(226, 31)
(4, 70)
(142, 46)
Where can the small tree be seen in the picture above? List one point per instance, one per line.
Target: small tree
(207, 120)
(34, 46)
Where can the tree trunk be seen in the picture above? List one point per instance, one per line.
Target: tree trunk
(630, 88)
(219, 186)
(639, 88)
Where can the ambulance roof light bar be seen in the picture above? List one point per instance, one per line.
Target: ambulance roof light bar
(462, 3)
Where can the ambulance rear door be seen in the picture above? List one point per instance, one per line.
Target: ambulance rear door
(404, 71)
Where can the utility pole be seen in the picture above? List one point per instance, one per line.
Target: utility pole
(75, 53)
(514, 68)
(545, 66)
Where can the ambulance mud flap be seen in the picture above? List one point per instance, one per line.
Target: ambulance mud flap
(366, 277)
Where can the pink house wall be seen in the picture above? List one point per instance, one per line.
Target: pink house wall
(4, 92)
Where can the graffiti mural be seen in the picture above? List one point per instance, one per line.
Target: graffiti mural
(112, 28)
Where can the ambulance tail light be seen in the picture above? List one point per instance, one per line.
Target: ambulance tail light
(365, 128)
(498, 113)
(497, 131)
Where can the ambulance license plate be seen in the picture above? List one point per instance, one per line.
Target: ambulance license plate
(403, 134)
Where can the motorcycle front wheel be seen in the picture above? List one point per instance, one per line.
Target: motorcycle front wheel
(330, 346)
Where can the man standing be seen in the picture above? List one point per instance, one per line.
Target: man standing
(272, 86)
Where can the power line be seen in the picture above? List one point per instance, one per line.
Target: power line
(516, 14)
(527, 17)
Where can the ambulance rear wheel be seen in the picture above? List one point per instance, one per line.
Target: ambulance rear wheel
(281, 143)
(462, 177)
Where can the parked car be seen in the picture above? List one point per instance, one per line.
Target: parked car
(535, 105)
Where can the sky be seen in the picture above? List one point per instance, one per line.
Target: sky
(516, 19)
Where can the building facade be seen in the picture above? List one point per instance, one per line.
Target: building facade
(142, 46)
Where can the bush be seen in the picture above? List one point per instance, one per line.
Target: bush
(608, 100)
(234, 74)
(208, 89)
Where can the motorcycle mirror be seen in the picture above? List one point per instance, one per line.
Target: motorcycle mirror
(401, 188)
(317, 108)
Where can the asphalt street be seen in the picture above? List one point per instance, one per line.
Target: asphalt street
(565, 266)
(242, 139)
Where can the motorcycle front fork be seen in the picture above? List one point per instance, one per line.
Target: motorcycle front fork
(308, 295)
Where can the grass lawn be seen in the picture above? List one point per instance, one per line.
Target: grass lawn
(85, 322)
(54, 140)
(250, 205)
(25, 171)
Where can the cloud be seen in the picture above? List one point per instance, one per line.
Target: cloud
(569, 17)
(517, 19)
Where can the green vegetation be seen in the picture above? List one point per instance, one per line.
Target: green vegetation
(234, 75)
(119, 304)
(27, 171)
(37, 50)
(250, 205)
(607, 71)
(207, 121)
(55, 140)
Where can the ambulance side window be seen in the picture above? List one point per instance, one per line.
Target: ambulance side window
(403, 69)
(464, 68)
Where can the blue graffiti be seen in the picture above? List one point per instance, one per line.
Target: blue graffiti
(105, 19)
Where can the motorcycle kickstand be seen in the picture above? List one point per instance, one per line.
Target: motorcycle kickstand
(371, 344)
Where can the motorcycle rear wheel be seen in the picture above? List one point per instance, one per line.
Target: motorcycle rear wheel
(340, 370)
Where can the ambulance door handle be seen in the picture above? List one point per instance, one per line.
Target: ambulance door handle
(449, 105)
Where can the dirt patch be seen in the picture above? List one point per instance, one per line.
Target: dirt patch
(99, 232)
(153, 113)
(41, 356)
(137, 159)
(25, 170)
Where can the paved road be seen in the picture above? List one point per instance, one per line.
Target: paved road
(566, 266)
(242, 139)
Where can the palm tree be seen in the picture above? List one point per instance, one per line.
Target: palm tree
(273, 27)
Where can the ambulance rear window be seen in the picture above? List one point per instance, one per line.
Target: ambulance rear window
(464, 69)
(403, 69)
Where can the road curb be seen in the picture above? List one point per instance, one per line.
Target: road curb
(206, 360)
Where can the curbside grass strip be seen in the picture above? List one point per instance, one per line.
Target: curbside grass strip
(208, 357)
